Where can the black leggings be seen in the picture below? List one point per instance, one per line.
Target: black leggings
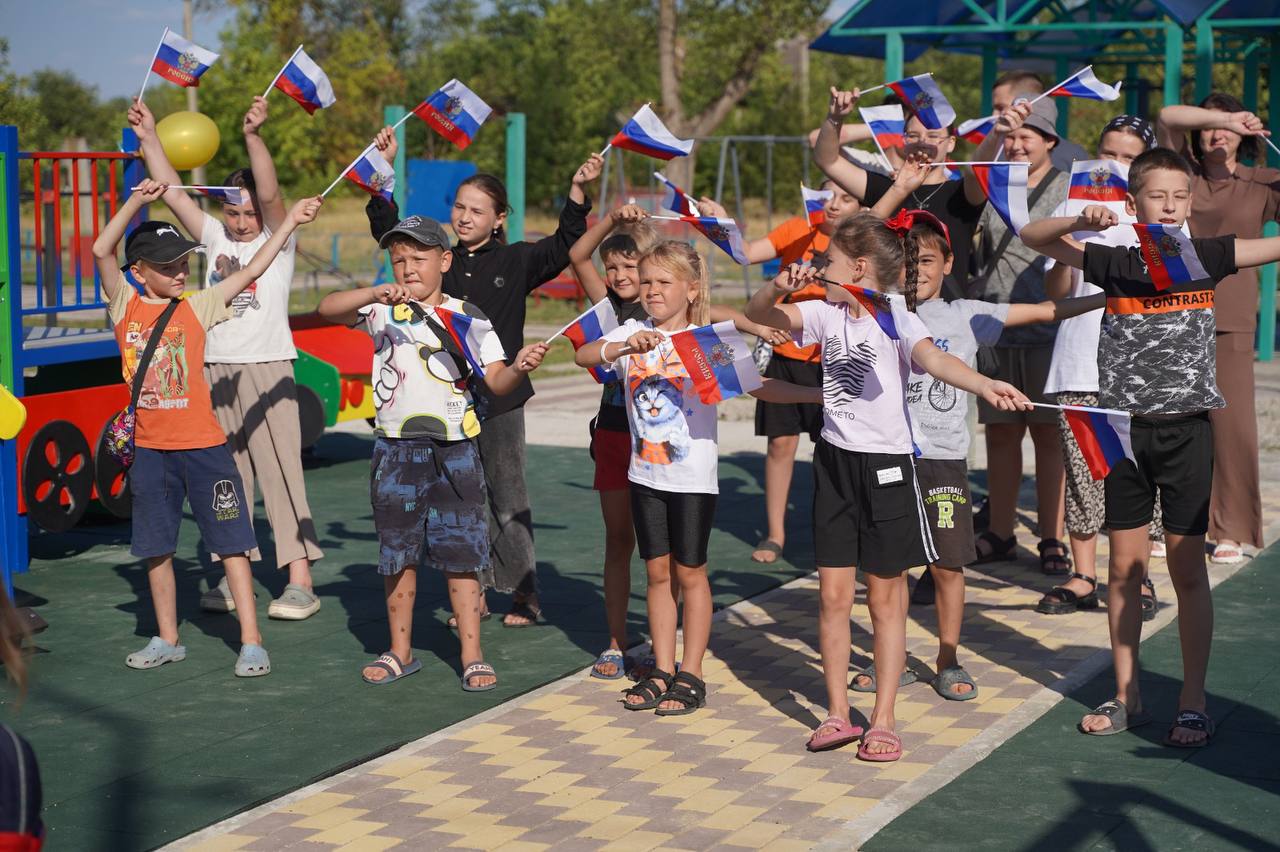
(671, 522)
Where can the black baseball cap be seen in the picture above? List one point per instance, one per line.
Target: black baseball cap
(157, 242)
(420, 229)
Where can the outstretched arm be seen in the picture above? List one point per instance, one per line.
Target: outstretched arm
(826, 150)
(1052, 236)
(1177, 120)
(765, 308)
(343, 307)
(776, 390)
(158, 166)
(1257, 252)
(104, 247)
(303, 212)
(775, 336)
(502, 378)
(1053, 311)
(266, 186)
(953, 371)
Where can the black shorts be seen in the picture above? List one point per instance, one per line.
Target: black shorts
(867, 512)
(1174, 455)
(779, 419)
(671, 522)
(944, 484)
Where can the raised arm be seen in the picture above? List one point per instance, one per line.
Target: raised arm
(580, 254)
(1009, 121)
(266, 186)
(765, 308)
(160, 169)
(548, 256)
(1052, 236)
(848, 133)
(909, 178)
(303, 211)
(1177, 120)
(826, 148)
(104, 247)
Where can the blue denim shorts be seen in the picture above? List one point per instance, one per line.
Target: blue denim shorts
(207, 479)
(429, 506)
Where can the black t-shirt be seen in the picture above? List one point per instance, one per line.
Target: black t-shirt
(948, 202)
(613, 403)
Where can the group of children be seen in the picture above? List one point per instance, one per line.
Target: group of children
(891, 483)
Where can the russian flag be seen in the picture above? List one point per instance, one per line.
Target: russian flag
(976, 129)
(468, 333)
(225, 194)
(725, 233)
(372, 173)
(593, 324)
(1169, 254)
(881, 306)
(717, 360)
(1103, 437)
(922, 95)
(455, 112)
(181, 61)
(303, 81)
(1006, 187)
(887, 123)
(1098, 181)
(815, 204)
(1083, 84)
(675, 198)
(646, 134)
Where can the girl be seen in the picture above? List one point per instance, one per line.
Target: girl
(497, 277)
(20, 790)
(672, 468)
(867, 511)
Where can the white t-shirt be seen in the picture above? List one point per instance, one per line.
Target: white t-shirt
(673, 432)
(864, 375)
(258, 330)
(415, 381)
(1074, 367)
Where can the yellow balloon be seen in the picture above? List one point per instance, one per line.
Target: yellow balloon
(189, 139)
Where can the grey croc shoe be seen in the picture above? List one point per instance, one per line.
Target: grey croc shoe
(157, 653)
(253, 661)
(294, 604)
(218, 598)
(1121, 719)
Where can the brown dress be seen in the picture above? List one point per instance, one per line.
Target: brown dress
(1238, 205)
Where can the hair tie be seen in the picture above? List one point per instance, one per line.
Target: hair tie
(900, 223)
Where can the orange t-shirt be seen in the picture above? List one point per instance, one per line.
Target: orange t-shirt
(796, 241)
(174, 408)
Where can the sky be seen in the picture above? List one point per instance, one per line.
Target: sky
(107, 43)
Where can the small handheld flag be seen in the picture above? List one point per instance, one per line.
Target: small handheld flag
(923, 97)
(675, 198)
(815, 204)
(882, 306)
(725, 233)
(1005, 184)
(455, 112)
(1083, 84)
(717, 360)
(178, 61)
(646, 134)
(1169, 254)
(228, 194)
(976, 129)
(468, 333)
(1102, 435)
(886, 123)
(1098, 181)
(593, 324)
(302, 80)
(372, 173)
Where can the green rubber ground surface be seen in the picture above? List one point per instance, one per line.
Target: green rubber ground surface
(1051, 788)
(131, 759)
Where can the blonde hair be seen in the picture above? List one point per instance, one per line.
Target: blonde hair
(683, 262)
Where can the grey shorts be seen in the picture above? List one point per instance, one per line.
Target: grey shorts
(1027, 369)
(429, 506)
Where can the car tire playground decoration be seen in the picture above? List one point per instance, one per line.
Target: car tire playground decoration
(57, 476)
(111, 480)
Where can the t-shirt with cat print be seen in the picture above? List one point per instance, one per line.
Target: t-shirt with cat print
(864, 375)
(673, 432)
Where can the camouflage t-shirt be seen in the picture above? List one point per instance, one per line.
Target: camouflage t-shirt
(1157, 353)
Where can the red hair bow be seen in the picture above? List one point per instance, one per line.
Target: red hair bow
(902, 222)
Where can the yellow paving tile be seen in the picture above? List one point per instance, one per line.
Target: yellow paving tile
(902, 770)
(452, 809)
(404, 766)
(330, 818)
(488, 836)
(418, 782)
(617, 826)
(685, 787)
(797, 777)
(1000, 706)
(756, 835)
(622, 747)
(772, 764)
(532, 769)
(437, 794)
(846, 807)
(909, 711)
(483, 731)
(497, 745)
(707, 726)
(749, 751)
(732, 817)
(662, 773)
(584, 724)
(548, 702)
(641, 759)
(571, 797)
(568, 712)
(928, 724)
(592, 811)
(954, 736)
(820, 792)
(515, 756)
(709, 801)
(523, 846)
(595, 737)
(346, 832)
(551, 782)
(370, 843)
(637, 841)
(316, 803)
(224, 843)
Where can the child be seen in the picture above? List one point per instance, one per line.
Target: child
(939, 416)
(21, 794)
(672, 468)
(497, 277)
(794, 241)
(1156, 361)
(181, 449)
(249, 359)
(428, 489)
(867, 510)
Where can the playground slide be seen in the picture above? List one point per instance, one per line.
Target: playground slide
(13, 415)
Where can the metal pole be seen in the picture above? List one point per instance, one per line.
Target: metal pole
(990, 66)
(1273, 98)
(1132, 88)
(1267, 303)
(622, 175)
(1062, 69)
(742, 216)
(1251, 71)
(392, 114)
(13, 527)
(893, 56)
(515, 176)
(1204, 59)
(1172, 64)
(603, 198)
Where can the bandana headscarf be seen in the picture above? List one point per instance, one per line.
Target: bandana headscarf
(1135, 124)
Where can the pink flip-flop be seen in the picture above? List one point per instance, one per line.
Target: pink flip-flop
(838, 732)
(880, 735)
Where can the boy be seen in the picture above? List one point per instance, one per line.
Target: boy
(1156, 360)
(181, 450)
(249, 359)
(428, 493)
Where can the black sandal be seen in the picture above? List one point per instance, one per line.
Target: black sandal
(653, 689)
(523, 610)
(1150, 606)
(1001, 549)
(1050, 562)
(1061, 601)
(689, 690)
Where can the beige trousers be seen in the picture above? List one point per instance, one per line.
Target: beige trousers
(257, 406)
(1235, 505)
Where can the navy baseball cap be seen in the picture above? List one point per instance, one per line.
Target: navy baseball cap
(157, 242)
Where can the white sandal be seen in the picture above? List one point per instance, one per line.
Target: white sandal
(1227, 554)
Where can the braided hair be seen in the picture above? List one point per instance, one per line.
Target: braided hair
(889, 252)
